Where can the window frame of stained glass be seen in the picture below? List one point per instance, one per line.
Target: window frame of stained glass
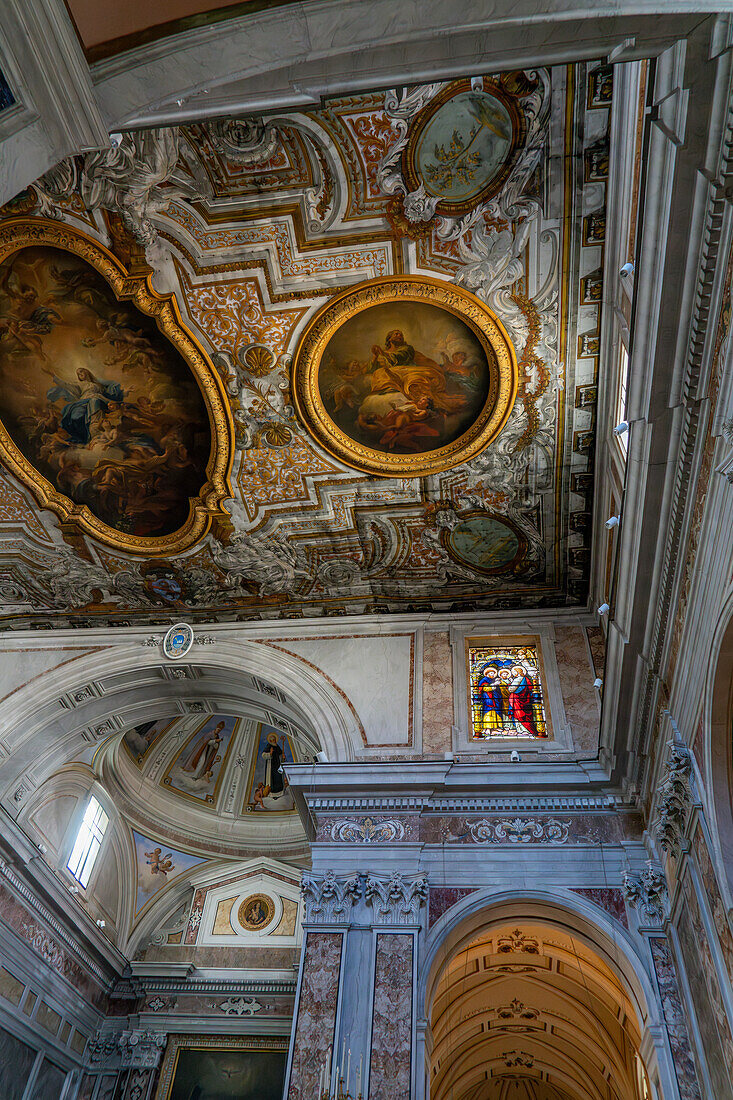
(501, 646)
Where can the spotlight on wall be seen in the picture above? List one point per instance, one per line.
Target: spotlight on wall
(515, 757)
(42, 849)
(115, 140)
(73, 889)
(612, 521)
(477, 84)
(321, 757)
(626, 270)
(598, 682)
(101, 924)
(621, 428)
(604, 609)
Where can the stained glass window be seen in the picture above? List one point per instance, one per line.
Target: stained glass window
(507, 698)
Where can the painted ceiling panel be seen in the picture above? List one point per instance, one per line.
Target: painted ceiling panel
(492, 185)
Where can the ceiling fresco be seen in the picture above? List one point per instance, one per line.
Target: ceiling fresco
(488, 189)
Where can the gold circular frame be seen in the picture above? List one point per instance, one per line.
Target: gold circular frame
(482, 322)
(266, 902)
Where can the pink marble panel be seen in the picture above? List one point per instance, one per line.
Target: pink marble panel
(717, 908)
(679, 1038)
(611, 899)
(391, 1054)
(55, 955)
(443, 898)
(316, 1012)
(437, 694)
(576, 682)
(706, 994)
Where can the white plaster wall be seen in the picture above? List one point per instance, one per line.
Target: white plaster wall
(375, 674)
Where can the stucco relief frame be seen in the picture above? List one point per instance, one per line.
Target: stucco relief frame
(543, 637)
(487, 329)
(206, 507)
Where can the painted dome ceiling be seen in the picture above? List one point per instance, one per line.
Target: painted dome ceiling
(252, 229)
(211, 780)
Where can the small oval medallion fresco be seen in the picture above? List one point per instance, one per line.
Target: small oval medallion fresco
(462, 145)
(404, 376)
(256, 912)
(485, 542)
(97, 400)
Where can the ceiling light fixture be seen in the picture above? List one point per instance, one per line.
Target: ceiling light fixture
(622, 427)
(626, 270)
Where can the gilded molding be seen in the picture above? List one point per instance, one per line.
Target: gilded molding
(484, 324)
(207, 506)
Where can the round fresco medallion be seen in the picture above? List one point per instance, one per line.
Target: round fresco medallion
(178, 641)
(486, 543)
(463, 144)
(404, 376)
(256, 912)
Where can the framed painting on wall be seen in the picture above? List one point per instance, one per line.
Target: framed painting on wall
(227, 1067)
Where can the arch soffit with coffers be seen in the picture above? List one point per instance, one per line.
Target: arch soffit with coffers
(567, 912)
(127, 685)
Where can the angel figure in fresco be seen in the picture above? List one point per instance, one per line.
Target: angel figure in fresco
(85, 402)
(159, 864)
(29, 314)
(275, 780)
(120, 337)
(201, 760)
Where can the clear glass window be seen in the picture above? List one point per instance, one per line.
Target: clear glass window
(621, 401)
(88, 842)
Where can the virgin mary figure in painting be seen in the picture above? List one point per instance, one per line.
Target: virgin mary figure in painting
(86, 402)
(201, 761)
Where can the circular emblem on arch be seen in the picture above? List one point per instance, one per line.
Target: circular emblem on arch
(256, 912)
(404, 376)
(178, 641)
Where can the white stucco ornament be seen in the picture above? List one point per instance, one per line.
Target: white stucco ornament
(178, 641)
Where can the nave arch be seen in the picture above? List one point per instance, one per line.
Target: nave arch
(62, 743)
(717, 746)
(539, 997)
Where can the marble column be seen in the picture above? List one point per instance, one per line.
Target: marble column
(357, 986)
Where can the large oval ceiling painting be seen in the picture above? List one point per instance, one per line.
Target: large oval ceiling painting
(110, 411)
(404, 376)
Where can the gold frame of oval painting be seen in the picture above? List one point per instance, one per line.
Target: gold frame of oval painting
(473, 352)
(206, 505)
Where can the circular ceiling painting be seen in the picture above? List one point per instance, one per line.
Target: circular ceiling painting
(462, 145)
(486, 543)
(404, 376)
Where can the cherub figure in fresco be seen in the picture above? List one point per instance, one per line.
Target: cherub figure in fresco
(159, 864)
(30, 313)
(406, 426)
(122, 339)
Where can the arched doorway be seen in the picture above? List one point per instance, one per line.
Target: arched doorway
(528, 1001)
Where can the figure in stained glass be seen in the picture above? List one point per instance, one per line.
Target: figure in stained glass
(506, 692)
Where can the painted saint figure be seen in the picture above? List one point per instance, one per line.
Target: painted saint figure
(510, 700)
(203, 757)
(275, 781)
